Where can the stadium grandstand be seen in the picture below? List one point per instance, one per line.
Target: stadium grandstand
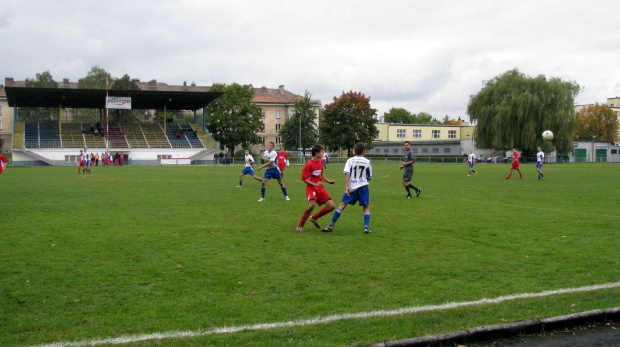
(142, 140)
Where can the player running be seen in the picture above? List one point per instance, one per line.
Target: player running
(357, 173)
(271, 163)
(3, 162)
(248, 169)
(312, 175)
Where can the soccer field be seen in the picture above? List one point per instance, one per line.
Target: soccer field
(179, 256)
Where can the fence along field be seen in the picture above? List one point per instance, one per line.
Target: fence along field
(137, 251)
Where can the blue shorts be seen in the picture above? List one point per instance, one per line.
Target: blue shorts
(248, 170)
(362, 194)
(272, 173)
(539, 165)
(471, 165)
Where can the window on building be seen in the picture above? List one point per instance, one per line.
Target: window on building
(278, 114)
(452, 134)
(415, 151)
(71, 158)
(395, 150)
(278, 141)
(0, 109)
(262, 127)
(278, 127)
(262, 113)
(386, 151)
(435, 150)
(417, 133)
(446, 150)
(400, 133)
(436, 134)
(424, 150)
(0, 125)
(613, 151)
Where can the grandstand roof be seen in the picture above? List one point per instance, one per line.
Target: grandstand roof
(95, 98)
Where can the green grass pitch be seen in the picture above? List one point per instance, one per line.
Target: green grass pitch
(130, 251)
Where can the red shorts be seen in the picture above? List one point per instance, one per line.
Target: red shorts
(318, 194)
(81, 163)
(515, 165)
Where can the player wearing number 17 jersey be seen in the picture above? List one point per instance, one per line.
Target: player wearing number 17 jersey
(357, 173)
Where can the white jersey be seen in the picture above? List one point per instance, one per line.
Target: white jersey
(249, 160)
(471, 158)
(360, 170)
(271, 156)
(540, 156)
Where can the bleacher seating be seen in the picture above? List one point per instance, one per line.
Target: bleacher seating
(180, 140)
(72, 136)
(48, 134)
(135, 136)
(115, 137)
(154, 135)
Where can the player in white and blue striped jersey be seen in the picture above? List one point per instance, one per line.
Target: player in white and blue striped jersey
(357, 173)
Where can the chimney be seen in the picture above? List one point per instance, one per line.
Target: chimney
(193, 84)
(9, 81)
(184, 83)
(153, 83)
(282, 90)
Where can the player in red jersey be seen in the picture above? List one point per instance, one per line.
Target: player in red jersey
(81, 161)
(3, 162)
(282, 160)
(515, 164)
(312, 175)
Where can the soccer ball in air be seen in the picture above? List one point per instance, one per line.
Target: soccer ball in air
(547, 135)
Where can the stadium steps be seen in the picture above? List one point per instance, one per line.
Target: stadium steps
(18, 137)
(72, 136)
(154, 135)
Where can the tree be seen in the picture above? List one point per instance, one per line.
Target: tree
(42, 80)
(299, 131)
(398, 115)
(596, 122)
(233, 118)
(124, 83)
(424, 118)
(512, 110)
(96, 78)
(348, 120)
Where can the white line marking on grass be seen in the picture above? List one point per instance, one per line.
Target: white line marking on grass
(326, 319)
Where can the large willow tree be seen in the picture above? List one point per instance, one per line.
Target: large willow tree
(512, 110)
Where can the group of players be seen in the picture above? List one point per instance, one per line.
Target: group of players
(357, 171)
(540, 160)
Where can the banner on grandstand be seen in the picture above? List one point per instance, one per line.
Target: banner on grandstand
(119, 102)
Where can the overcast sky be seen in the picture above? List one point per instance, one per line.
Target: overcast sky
(424, 56)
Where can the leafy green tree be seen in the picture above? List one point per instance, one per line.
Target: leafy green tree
(301, 126)
(348, 120)
(512, 110)
(398, 115)
(424, 118)
(42, 80)
(233, 118)
(96, 78)
(124, 83)
(596, 122)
